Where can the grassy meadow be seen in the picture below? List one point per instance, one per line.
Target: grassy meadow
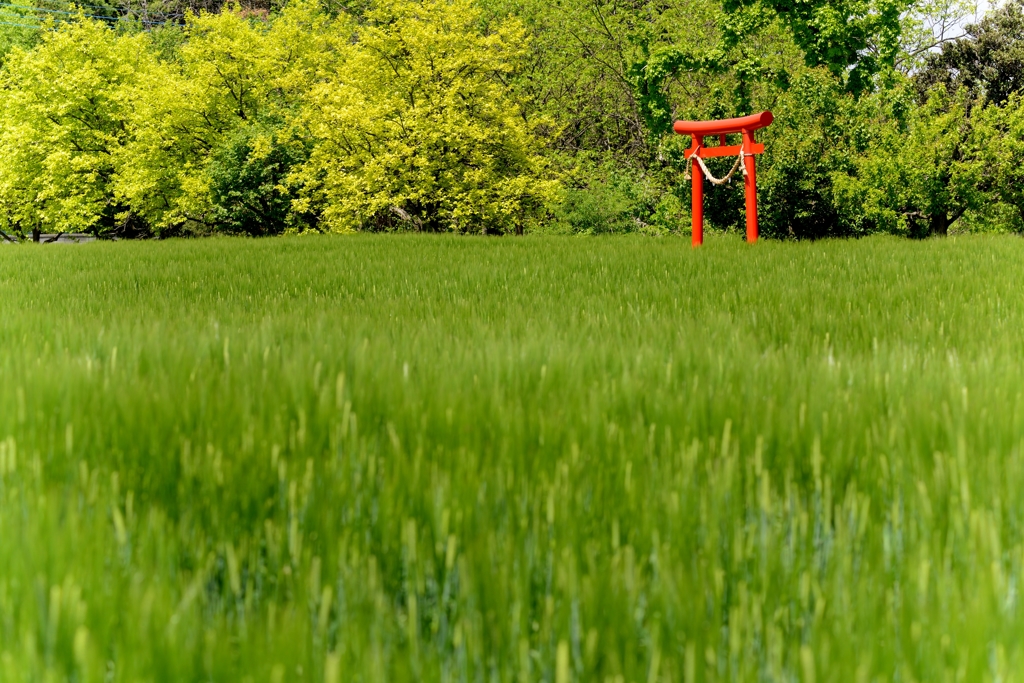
(396, 458)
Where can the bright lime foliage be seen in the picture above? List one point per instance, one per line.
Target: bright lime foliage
(419, 128)
(17, 26)
(235, 77)
(257, 125)
(64, 119)
(395, 459)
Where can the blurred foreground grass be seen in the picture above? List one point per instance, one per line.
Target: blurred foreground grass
(455, 459)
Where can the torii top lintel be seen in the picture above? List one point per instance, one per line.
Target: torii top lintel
(744, 124)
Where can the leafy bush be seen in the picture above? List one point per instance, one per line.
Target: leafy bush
(594, 209)
(607, 200)
(17, 28)
(247, 176)
(999, 141)
(813, 138)
(919, 174)
(255, 125)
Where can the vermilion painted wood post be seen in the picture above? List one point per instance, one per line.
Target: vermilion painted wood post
(697, 204)
(746, 125)
(750, 186)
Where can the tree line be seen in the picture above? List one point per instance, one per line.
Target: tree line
(504, 116)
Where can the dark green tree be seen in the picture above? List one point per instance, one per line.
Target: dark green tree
(988, 61)
(248, 184)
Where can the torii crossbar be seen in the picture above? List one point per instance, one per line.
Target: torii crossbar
(697, 130)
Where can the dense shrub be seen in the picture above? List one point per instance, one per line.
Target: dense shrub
(247, 182)
(813, 138)
(918, 175)
(999, 144)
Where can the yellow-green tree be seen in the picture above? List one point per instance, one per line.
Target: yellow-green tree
(419, 131)
(211, 142)
(64, 119)
(19, 26)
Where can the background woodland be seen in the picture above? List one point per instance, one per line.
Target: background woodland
(504, 116)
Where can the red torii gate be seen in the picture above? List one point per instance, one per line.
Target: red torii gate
(744, 154)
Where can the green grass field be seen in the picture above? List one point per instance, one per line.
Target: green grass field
(388, 458)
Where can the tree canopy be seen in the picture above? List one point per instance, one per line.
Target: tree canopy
(494, 116)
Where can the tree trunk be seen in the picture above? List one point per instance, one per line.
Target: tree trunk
(940, 224)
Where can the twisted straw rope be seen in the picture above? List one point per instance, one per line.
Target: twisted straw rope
(715, 181)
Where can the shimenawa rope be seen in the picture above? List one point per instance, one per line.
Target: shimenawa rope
(715, 181)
